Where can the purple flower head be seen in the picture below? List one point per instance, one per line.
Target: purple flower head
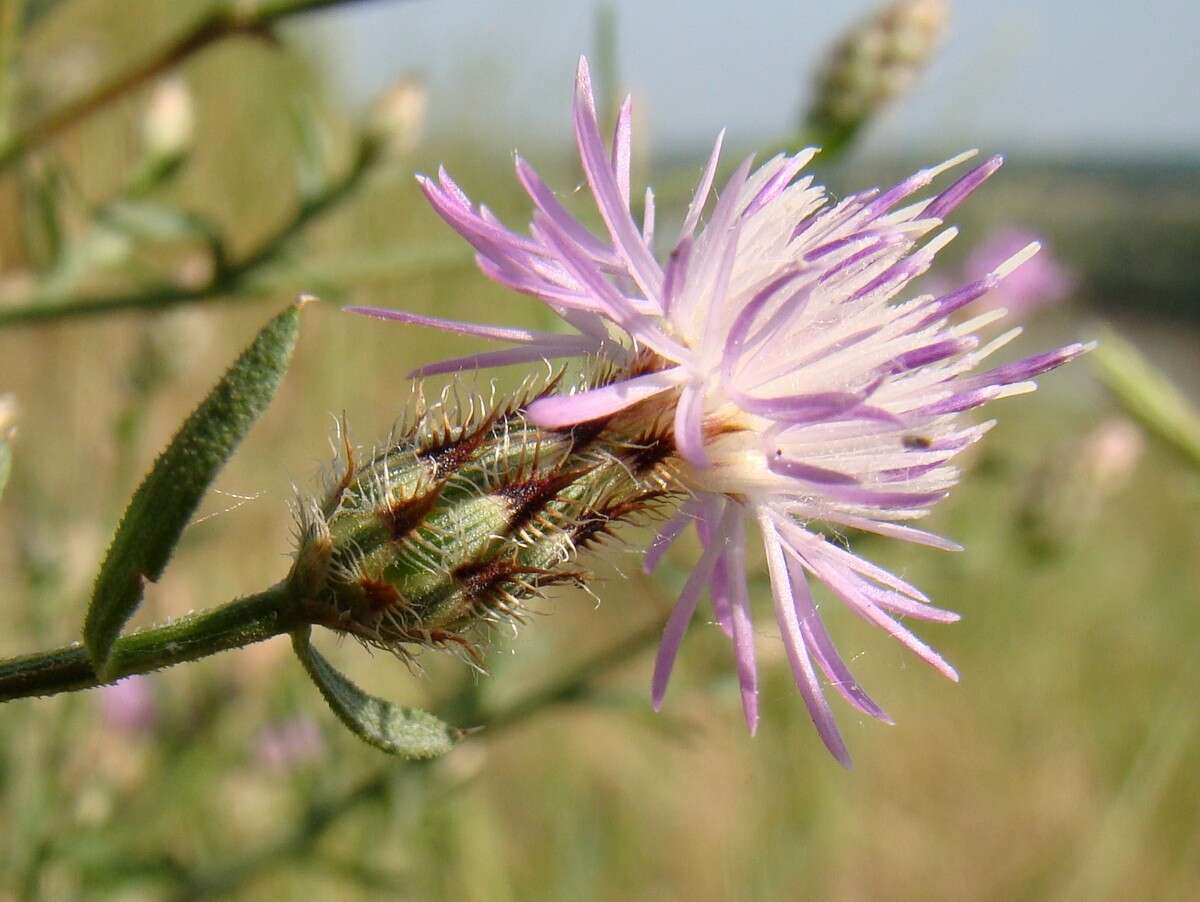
(803, 389)
(129, 705)
(289, 743)
(1039, 283)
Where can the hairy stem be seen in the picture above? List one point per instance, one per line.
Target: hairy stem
(233, 625)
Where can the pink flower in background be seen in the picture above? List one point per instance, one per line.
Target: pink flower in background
(129, 705)
(289, 743)
(1109, 454)
(805, 393)
(1042, 281)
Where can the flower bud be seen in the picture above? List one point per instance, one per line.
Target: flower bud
(8, 417)
(873, 63)
(462, 518)
(169, 120)
(398, 116)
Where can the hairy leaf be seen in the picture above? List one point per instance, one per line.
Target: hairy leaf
(169, 495)
(407, 732)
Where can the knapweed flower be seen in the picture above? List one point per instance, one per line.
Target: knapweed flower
(798, 390)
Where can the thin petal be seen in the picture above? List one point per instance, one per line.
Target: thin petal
(897, 531)
(477, 330)
(1027, 368)
(613, 210)
(962, 189)
(671, 530)
(559, 411)
(817, 639)
(676, 279)
(544, 199)
(700, 196)
(622, 139)
(637, 324)
(507, 357)
(793, 643)
(685, 607)
(689, 427)
(743, 630)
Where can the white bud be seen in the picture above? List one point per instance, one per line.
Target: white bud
(169, 119)
(398, 116)
(8, 416)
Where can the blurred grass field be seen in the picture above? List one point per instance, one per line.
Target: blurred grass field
(1061, 768)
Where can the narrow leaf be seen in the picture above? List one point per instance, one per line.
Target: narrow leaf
(407, 732)
(1148, 395)
(169, 495)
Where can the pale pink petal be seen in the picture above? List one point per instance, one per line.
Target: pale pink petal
(613, 210)
(559, 411)
(700, 197)
(685, 607)
(793, 644)
(817, 639)
(689, 427)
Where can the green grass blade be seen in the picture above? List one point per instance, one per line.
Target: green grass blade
(407, 732)
(169, 495)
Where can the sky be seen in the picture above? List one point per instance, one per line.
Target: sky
(1089, 78)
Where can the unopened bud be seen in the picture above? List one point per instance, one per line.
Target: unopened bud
(875, 62)
(398, 116)
(463, 518)
(8, 416)
(169, 119)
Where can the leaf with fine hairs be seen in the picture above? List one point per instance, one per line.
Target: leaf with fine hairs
(170, 493)
(406, 732)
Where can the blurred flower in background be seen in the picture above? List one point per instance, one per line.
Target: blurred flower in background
(398, 115)
(1041, 282)
(1110, 452)
(287, 744)
(169, 121)
(129, 705)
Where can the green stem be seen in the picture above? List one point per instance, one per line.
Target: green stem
(254, 19)
(226, 281)
(234, 625)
